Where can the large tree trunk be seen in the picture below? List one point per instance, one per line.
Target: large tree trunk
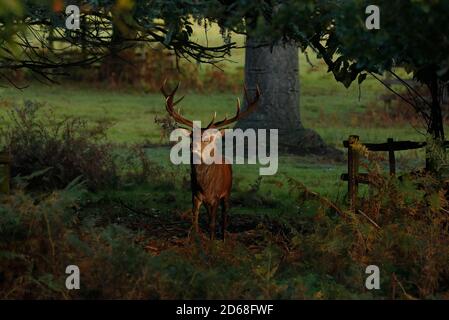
(276, 71)
(436, 128)
(436, 153)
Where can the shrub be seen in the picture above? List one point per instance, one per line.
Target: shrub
(49, 153)
(166, 125)
(400, 226)
(41, 236)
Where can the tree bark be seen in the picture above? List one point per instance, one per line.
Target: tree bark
(276, 71)
(436, 155)
(436, 128)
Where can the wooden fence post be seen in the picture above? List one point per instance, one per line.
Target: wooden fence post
(5, 175)
(391, 157)
(353, 171)
(353, 177)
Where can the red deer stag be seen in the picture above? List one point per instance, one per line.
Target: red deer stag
(210, 183)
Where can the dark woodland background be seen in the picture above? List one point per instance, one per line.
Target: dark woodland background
(86, 177)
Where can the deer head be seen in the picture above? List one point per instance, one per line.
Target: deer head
(208, 136)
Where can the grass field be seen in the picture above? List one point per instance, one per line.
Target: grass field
(325, 106)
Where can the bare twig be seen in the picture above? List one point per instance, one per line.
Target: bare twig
(408, 296)
(369, 219)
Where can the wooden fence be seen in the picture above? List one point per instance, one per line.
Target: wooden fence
(5, 172)
(354, 177)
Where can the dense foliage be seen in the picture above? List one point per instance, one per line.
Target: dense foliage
(49, 153)
(306, 252)
(412, 36)
(106, 28)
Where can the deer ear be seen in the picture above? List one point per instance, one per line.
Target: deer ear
(217, 134)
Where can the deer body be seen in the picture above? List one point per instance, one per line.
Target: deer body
(211, 186)
(210, 183)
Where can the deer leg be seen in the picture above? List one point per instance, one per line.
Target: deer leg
(224, 215)
(196, 213)
(212, 210)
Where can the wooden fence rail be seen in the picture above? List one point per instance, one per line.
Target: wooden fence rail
(354, 177)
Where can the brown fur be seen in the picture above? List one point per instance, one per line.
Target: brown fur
(211, 186)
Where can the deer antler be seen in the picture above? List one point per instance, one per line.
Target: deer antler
(238, 115)
(169, 106)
